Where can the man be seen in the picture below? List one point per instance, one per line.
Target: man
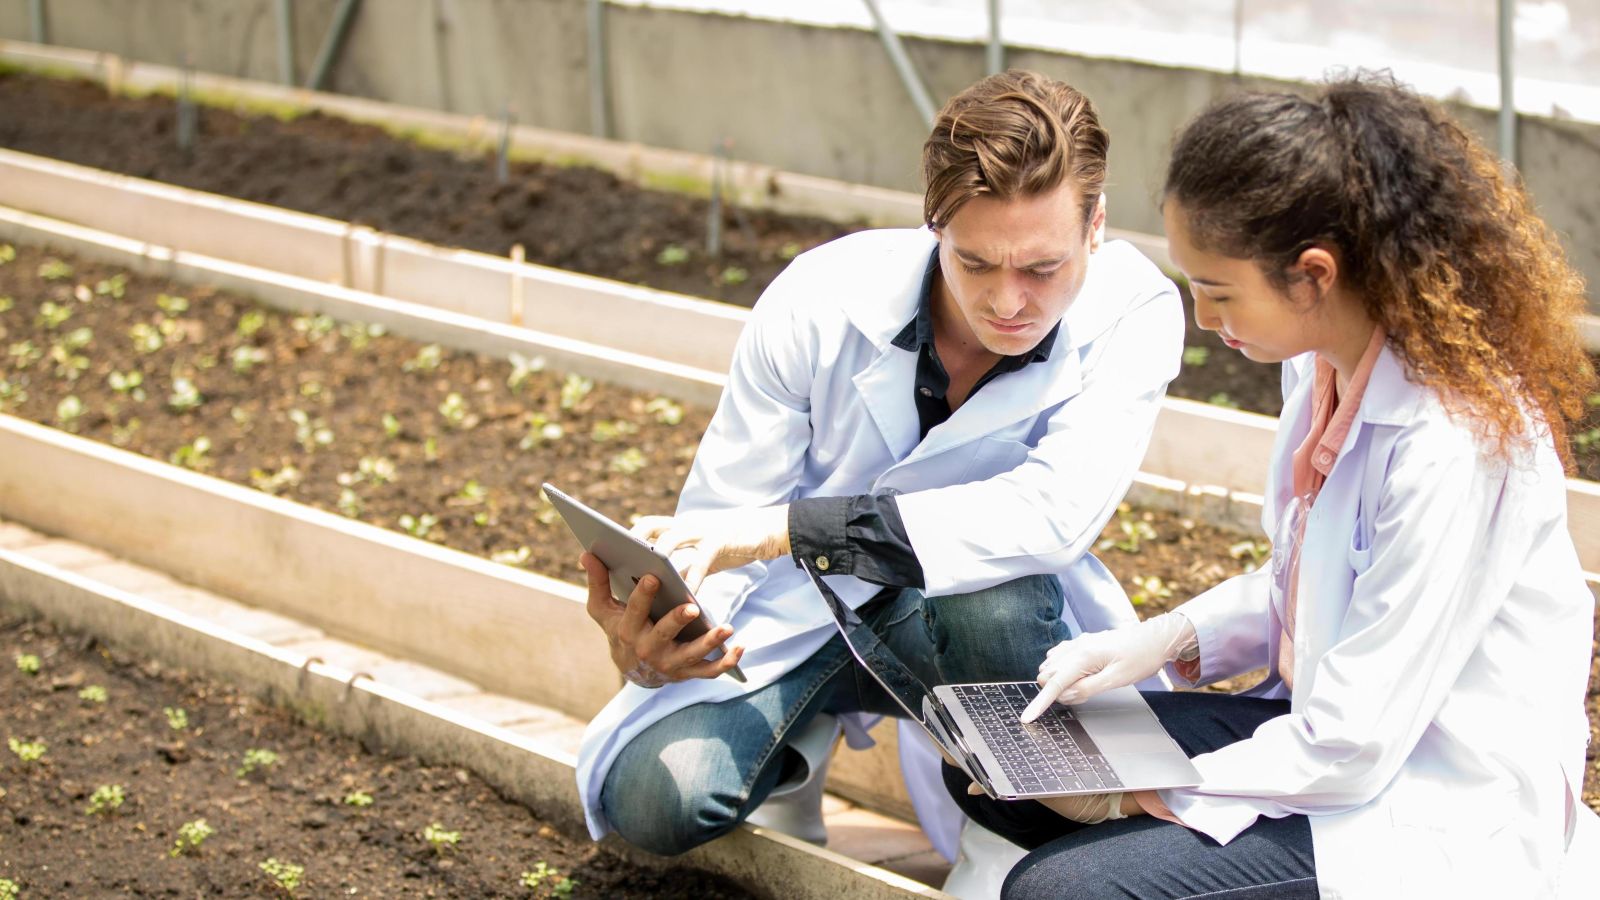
(942, 419)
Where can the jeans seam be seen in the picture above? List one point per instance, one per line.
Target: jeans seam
(764, 757)
(1250, 887)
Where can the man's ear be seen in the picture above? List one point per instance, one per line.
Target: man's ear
(1097, 224)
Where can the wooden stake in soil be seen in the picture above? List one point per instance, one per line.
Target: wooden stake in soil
(518, 257)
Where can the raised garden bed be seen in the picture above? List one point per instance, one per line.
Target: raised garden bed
(570, 217)
(355, 820)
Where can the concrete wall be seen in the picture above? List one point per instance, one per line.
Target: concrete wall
(823, 101)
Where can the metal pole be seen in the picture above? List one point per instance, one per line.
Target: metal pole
(1238, 38)
(1508, 81)
(902, 64)
(997, 48)
(599, 101)
(331, 45)
(286, 42)
(36, 19)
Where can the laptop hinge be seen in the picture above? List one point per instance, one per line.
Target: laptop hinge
(952, 733)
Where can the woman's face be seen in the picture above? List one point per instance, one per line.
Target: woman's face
(1234, 298)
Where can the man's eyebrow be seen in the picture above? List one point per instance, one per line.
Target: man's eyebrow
(971, 257)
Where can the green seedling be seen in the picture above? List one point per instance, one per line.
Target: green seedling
(315, 328)
(251, 322)
(285, 875)
(1149, 588)
(629, 462)
(480, 519)
(94, 693)
(192, 455)
(54, 269)
(1134, 531)
(6, 304)
(734, 275)
(177, 717)
(350, 505)
(540, 431)
(69, 363)
(440, 839)
(573, 389)
(430, 450)
(27, 751)
(310, 433)
(255, 759)
(146, 338)
(360, 335)
(1196, 356)
(560, 885)
(275, 483)
(790, 251)
(1587, 440)
(12, 393)
(426, 360)
(28, 664)
(418, 526)
(311, 389)
(24, 354)
(665, 411)
(113, 287)
(246, 358)
(522, 369)
(69, 411)
(240, 416)
(129, 384)
(106, 799)
(185, 397)
(1221, 398)
(472, 493)
(455, 412)
(391, 426)
(375, 470)
(360, 799)
(672, 255)
(1251, 553)
(190, 836)
(172, 305)
(9, 890)
(8, 253)
(122, 435)
(515, 557)
(52, 316)
(604, 431)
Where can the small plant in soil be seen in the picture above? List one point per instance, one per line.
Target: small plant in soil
(1135, 530)
(1149, 588)
(275, 482)
(541, 431)
(285, 876)
(6, 303)
(471, 494)
(665, 411)
(177, 717)
(106, 799)
(1196, 356)
(54, 269)
(172, 305)
(128, 384)
(374, 470)
(68, 412)
(350, 504)
(7, 253)
(251, 322)
(790, 251)
(255, 759)
(733, 275)
(515, 557)
(310, 433)
(185, 396)
(418, 526)
(23, 354)
(426, 360)
(113, 287)
(522, 369)
(631, 461)
(359, 799)
(193, 455)
(672, 255)
(1221, 398)
(9, 890)
(146, 338)
(559, 884)
(574, 389)
(246, 358)
(456, 414)
(315, 328)
(28, 664)
(64, 353)
(604, 431)
(1251, 553)
(27, 751)
(391, 426)
(440, 839)
(359, 335)
(52, 316)
(93, 693)
(190, 836)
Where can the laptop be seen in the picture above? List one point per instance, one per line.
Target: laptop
(1111, 742)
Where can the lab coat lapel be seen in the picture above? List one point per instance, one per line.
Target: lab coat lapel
(885, 388)
(1010, 398)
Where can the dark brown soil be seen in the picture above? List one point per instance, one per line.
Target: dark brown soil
(570, 217)
(348, 379)
(294, 810)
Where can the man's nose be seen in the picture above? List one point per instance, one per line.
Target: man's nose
(1010, 299)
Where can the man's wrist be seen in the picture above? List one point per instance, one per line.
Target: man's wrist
(644, 675)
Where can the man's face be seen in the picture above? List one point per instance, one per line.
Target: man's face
(1010, 268)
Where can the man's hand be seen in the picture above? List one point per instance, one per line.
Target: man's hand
(1089, 664)
(645, 652)
(700, 543)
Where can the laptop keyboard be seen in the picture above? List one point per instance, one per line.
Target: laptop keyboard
(1052, 754)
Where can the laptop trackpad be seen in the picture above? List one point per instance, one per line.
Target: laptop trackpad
(1118, 731)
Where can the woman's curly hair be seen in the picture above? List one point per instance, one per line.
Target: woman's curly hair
(1472, 288)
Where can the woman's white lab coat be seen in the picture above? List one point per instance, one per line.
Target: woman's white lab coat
(1017, 482)
(1437, 731)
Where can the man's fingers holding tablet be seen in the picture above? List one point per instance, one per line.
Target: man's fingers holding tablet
(712, 668)
(602, 607)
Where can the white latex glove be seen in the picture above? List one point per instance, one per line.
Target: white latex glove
(700, 543)
(1075, 670)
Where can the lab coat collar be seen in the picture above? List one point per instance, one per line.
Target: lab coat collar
(1391, 398)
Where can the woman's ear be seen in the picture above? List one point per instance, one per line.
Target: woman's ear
(1318, 268)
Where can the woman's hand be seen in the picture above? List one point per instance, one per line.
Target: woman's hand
(1090, 664)
(700, 543)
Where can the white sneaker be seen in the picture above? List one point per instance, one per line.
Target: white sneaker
(982, 865)
(795, 806)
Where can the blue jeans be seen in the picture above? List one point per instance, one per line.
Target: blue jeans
(696, 773)
(1146, 857)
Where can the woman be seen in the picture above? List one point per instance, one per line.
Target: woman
(1424, 622)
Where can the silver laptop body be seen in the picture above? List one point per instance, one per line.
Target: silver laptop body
(1112, 742)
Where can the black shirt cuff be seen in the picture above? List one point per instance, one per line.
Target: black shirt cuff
(862, 536)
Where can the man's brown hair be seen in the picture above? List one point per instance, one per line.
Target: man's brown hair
(1015, 134)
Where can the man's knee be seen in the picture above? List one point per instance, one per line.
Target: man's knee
(999, 633)
(670, 801)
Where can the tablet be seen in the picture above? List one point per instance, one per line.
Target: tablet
(629, 560)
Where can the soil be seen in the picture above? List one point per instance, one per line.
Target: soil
(570, 217)
(615, 450)
(294, 810)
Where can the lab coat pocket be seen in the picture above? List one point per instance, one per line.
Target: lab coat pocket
(1360, 552)
(994, 456)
